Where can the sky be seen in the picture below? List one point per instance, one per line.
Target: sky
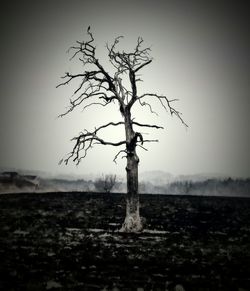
(200, 53)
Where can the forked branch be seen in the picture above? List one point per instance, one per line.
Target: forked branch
(95, 83)
(165, 103)
(130, 63)
(85, 141)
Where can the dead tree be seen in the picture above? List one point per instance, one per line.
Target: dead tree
(96, 86)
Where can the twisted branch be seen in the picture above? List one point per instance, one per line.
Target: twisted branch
(117, 155)
(95, 83)
(129, 63)
(85, 141)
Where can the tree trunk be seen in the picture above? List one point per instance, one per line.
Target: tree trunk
(132, 221)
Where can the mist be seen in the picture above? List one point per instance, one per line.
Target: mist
(201, 56)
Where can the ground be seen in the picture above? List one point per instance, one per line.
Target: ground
(71, 241)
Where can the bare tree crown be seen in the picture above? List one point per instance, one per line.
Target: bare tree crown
(98, 87)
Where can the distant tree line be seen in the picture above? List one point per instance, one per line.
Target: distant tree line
(14, 182)
(223, 187)
(110, 183)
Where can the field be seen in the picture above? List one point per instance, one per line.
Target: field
(71, 241)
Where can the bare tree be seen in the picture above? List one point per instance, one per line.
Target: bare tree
(105, 183)
(96, 86)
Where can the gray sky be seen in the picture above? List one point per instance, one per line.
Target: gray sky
(201, 56)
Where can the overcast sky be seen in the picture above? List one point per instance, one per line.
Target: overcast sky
(201, 56)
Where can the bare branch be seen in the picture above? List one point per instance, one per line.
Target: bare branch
(142, 65)
(147, 125)
(151, 140)
(147, 104)
(166, 106)
(94, 83)
(142, 147)
(113, 57)
(116, 156)
(146, 141)
(83, 97)
(91, 90)
(85, 48)
(94, 103)
(70, 78)
(129, 63)
(109, 124)
(86, 140)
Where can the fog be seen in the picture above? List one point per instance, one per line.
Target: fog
(201, 56)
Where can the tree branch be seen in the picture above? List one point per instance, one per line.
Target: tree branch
(116, 156)
(147, 104)
(147, 125)
(142, 147)
(109, 124)
(94, 83)
(166, 106)
(86, 140)
(151, 140)
(142, 65)
(129, 63)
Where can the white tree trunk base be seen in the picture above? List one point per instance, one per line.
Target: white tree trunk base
(132, 224)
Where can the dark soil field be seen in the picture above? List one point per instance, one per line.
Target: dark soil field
(71, 241)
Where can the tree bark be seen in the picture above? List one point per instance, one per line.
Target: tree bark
(132, 221)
